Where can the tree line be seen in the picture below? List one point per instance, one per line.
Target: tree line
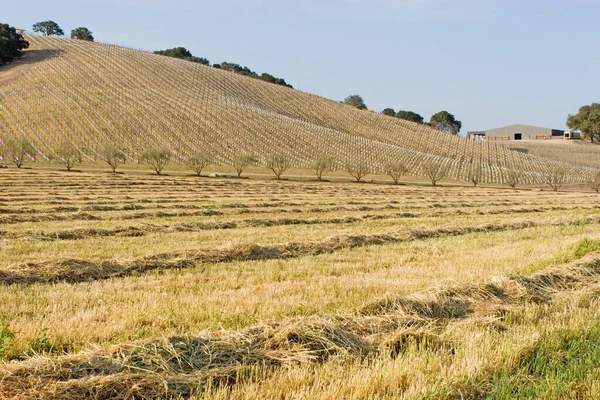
(185, 54)
(51, 28)
(442, 121)
(19, 151)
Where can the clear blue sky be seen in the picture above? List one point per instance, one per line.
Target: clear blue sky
(489, 62)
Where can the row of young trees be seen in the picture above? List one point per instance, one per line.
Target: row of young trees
(185, 54)
(19, 151)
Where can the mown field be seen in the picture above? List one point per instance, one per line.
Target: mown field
(142, 286)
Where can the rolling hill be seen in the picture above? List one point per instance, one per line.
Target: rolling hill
(92, 94)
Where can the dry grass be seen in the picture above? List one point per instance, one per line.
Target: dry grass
(283, 289)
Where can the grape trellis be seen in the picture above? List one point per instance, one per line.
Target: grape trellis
(91, 94)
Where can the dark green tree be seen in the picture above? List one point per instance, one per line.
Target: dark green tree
(357, 101)
(410, 116)
(182, 53)
(11, 43)
(48, 28)
(82, 33)
(587, 121)
(389, 111)
(445, 122)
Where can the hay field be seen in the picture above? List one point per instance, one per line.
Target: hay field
(143, 286)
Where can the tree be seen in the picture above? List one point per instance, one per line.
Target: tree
(69, 155)
(556, 176)
(82, 33)
(357, 169)
(435, 171)
(322, 164)
(587, 121)
(475, 173)
(389, 111)
(445, 122)
(513, 178)
(182, 53)
(241, 162)
(410, 116)
(48, 28)
(593, 181)
(18, 151)
(156, 158)
(113, 156)
(278, 163)
(11, 44)
(396, 170)
(197, 162)
(356, 101)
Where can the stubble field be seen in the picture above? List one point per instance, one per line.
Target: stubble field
(143, 286)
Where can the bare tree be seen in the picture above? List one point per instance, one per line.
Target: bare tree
(556, 176)
(241, 162)
(475, 174)
(513, 178)
(322, 164)
(197, 162)
(357, 169)
(18, 151)
(156, 158)
(69, 155)
(278, 163)
(113, 156)
(435, 171)
(396, 170)
(593, 181)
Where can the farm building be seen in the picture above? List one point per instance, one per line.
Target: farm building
(517, 132)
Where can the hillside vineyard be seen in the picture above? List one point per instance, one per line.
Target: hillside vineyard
(90, 95)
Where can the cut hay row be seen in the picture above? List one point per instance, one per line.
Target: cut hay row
(81, 270)
(146, 228)
(185, 366)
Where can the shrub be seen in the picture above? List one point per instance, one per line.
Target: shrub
(156, 158)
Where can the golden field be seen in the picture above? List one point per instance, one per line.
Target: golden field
(142, 286)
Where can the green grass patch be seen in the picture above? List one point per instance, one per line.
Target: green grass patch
(561, 366)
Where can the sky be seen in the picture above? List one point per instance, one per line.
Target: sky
(491, 63)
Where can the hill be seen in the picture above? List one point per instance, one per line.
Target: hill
(92, 94)
(578, 152)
